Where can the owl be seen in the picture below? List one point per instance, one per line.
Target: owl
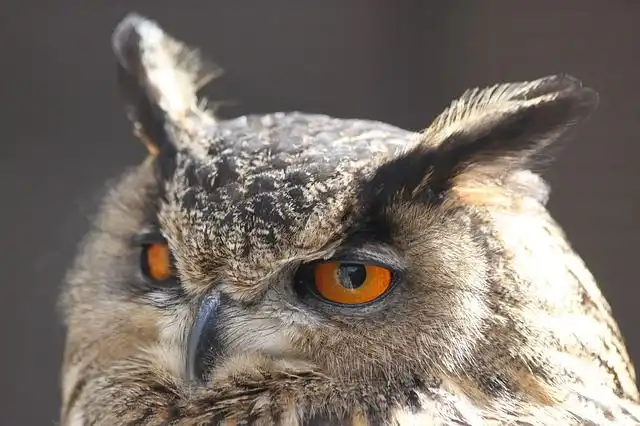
(300, 269)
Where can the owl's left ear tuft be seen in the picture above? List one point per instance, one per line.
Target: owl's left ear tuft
(494, 131)
(488, 138)
(159, 78)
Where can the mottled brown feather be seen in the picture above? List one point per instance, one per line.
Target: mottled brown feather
(496, 321)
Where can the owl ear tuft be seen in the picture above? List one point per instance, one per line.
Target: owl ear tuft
(159, 78)
(497, 130)
(490, 136)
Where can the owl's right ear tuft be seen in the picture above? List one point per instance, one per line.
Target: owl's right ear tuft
(159, 78)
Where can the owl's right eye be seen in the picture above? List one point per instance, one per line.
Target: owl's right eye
(156, 262)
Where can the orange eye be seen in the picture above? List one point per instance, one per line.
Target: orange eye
(157, 261)
(351, 283)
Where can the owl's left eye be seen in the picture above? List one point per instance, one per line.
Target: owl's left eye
(346, 283)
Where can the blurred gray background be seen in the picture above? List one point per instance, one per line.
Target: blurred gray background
(64, 132)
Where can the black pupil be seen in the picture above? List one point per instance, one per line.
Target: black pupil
(352, 275)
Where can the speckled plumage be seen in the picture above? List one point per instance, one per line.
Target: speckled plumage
(496, 320)
(266, 184)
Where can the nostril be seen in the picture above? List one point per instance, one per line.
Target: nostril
(202, 346)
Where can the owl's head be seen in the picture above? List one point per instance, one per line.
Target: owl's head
(388, 262)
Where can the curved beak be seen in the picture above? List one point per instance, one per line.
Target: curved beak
(203, 346)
